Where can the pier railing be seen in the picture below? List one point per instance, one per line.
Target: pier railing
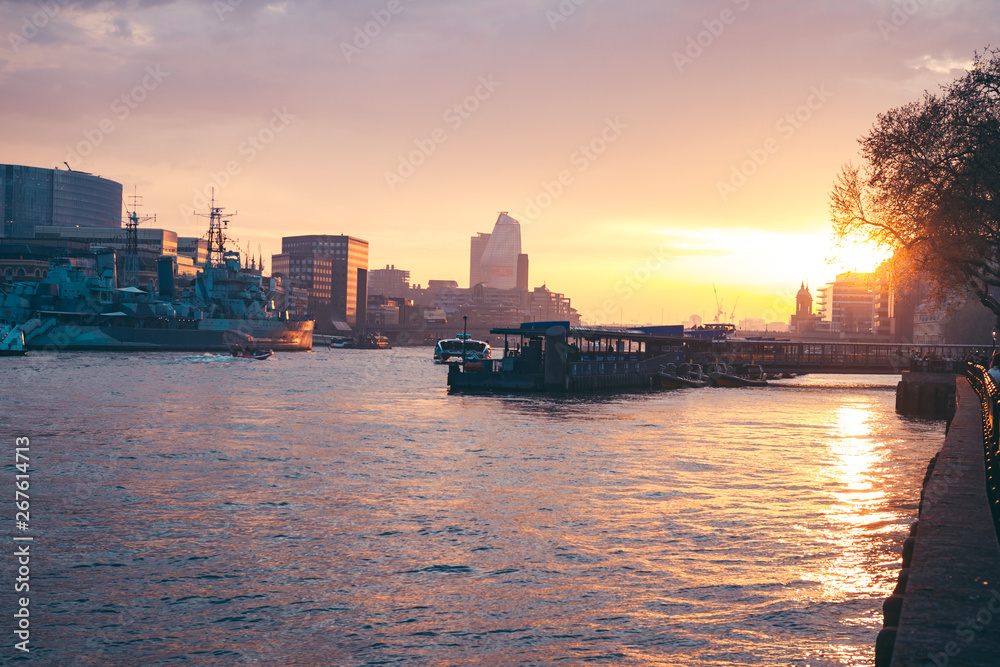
(989, 396)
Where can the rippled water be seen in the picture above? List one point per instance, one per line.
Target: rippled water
(340, 508)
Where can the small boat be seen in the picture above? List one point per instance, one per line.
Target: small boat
(752, 376)
(373, 341)
(341, 342)
(452, 350)
(259, 353)
(683, 376)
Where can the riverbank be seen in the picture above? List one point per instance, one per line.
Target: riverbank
(950, 605)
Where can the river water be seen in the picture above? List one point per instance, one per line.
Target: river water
(339, 507)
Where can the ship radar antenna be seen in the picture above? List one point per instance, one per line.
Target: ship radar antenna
(130, 265)
(217, 226)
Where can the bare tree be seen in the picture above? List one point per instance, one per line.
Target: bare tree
(929, 187)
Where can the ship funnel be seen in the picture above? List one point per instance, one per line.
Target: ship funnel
(165, 276)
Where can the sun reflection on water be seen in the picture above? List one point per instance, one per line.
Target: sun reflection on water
(856, 514)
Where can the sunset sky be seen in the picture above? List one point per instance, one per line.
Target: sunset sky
(648, 148)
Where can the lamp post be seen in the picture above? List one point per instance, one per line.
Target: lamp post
(465, 336)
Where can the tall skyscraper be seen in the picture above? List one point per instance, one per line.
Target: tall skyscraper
(498, 265)
(479, 242)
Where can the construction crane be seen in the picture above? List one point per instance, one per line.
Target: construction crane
(732, 315)
(718, 305)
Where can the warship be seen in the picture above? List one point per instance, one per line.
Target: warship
(80, 305)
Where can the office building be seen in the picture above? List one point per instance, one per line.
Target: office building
(478, 246)
(501, 257)
(33, 197)
(163, 241)
(194, 247)
(334, 270)
(388, 282)
(848, 304)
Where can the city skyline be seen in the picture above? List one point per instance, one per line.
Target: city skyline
(647, 150)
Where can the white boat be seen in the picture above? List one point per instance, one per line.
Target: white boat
(451, 350)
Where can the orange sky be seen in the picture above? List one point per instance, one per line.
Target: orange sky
(649, 149)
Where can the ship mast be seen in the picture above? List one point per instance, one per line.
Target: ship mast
(217, 224)
(130, 263)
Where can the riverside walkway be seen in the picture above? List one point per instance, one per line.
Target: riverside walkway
(950, 613)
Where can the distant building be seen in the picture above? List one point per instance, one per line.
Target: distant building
(848, 304)
(335, 271)
(501, 256)
(193, 247)
(753, 324)
(522, 271)
(163, 241)
(478, 246)
(388, 282)
(804, 321)
(33, 197)
(544, 305)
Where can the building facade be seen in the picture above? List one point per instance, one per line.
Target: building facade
(334, 270)
(388, 282)
(501, 256)
(163, 241)
(477, 247)
(848, 304)
(194, 247)
(33, 197)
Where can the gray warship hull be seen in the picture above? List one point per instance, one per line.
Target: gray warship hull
(210, 335)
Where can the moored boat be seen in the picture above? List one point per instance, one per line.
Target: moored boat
(681, 377)
(462, 346)
(373, 341)
(80, 304)
(746, 376)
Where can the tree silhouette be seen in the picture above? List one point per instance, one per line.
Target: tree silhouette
(929, 187)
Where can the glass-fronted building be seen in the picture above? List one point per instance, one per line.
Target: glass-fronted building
(34, 197)
(499, 262)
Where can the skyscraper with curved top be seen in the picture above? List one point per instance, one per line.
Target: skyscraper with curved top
(498, 265)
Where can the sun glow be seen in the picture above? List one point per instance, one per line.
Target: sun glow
(857, 255)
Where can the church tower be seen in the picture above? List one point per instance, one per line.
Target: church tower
(803, 301)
